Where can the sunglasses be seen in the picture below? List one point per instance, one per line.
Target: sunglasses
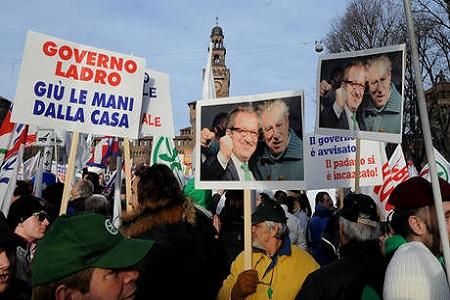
(41, 216)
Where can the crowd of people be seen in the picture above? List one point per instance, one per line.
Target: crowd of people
(174, 245)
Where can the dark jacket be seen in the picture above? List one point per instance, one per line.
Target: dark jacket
(361, 266)
(17, 290)
(184, 260)
(213, 170)
(317, 225)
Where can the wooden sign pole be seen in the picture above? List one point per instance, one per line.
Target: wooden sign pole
(69, 173)
(247, 230)
(357, 165)
(127, 160)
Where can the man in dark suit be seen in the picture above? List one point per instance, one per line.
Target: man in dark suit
(236, 148)
(343, 113)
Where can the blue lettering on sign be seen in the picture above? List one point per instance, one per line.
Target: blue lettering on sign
(61, 112)
(113, 101)
(113, 119)
(81, 96)
(149, 86)
(53, 90)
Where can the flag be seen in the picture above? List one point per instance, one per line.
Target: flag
(101, 153)
(6, 134)
(442, 165)
(395, 171)
(209, 88)
(164, 152)
(10, 166)
(29, 166)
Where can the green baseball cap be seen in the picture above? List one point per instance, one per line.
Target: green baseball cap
(81, 241)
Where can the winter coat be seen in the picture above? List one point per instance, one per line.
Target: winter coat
(360, 268)
(185, 259)
(317, 225)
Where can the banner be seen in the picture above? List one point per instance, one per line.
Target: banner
(102, 152)
(395, 171)
(164, 152)
(157, 115)
(442, 165)
(79, 88)
(330, 162)
(10, 166)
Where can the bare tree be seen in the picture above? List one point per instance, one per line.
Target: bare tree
(377, 23)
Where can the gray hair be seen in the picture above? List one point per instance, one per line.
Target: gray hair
(283, 229)
(98, 203)
(359, 232)
(270, 105)
(384, 60)
(240, 109)
(85, 188)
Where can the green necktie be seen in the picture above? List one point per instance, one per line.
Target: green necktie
(355, 124)
(247, 173)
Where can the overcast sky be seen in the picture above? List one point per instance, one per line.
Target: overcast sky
(270, 43)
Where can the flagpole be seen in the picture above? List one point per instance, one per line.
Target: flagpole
(427, 138)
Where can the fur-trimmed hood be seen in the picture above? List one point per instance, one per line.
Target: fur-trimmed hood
(144, 219)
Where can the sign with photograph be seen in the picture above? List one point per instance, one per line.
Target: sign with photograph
(78, 88)
(330, 162)
(251, 142)
(156, 115)
(360, 94)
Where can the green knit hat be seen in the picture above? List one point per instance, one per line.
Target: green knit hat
(82, 241)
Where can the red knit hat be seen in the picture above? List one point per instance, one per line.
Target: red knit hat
(413, 193)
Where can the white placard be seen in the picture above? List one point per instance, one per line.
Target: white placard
(360, 94)
(330, 162)
(66, 85)
(263, 131)
(156, 115)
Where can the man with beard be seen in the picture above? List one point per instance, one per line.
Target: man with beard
(279, 269)
(414, 272)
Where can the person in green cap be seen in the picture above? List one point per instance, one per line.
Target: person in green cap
(85, 257)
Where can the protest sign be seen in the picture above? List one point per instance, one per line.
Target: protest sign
(156, 116)
(330, 162)
(236, 154)
(79, 88)
(360, 94)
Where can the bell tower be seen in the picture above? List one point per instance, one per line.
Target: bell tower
(220, 71)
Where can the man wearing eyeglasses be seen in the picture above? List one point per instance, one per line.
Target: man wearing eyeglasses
(29, 221)
(344, 113)
(382, 112)
(280, 156)
(235, 148)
